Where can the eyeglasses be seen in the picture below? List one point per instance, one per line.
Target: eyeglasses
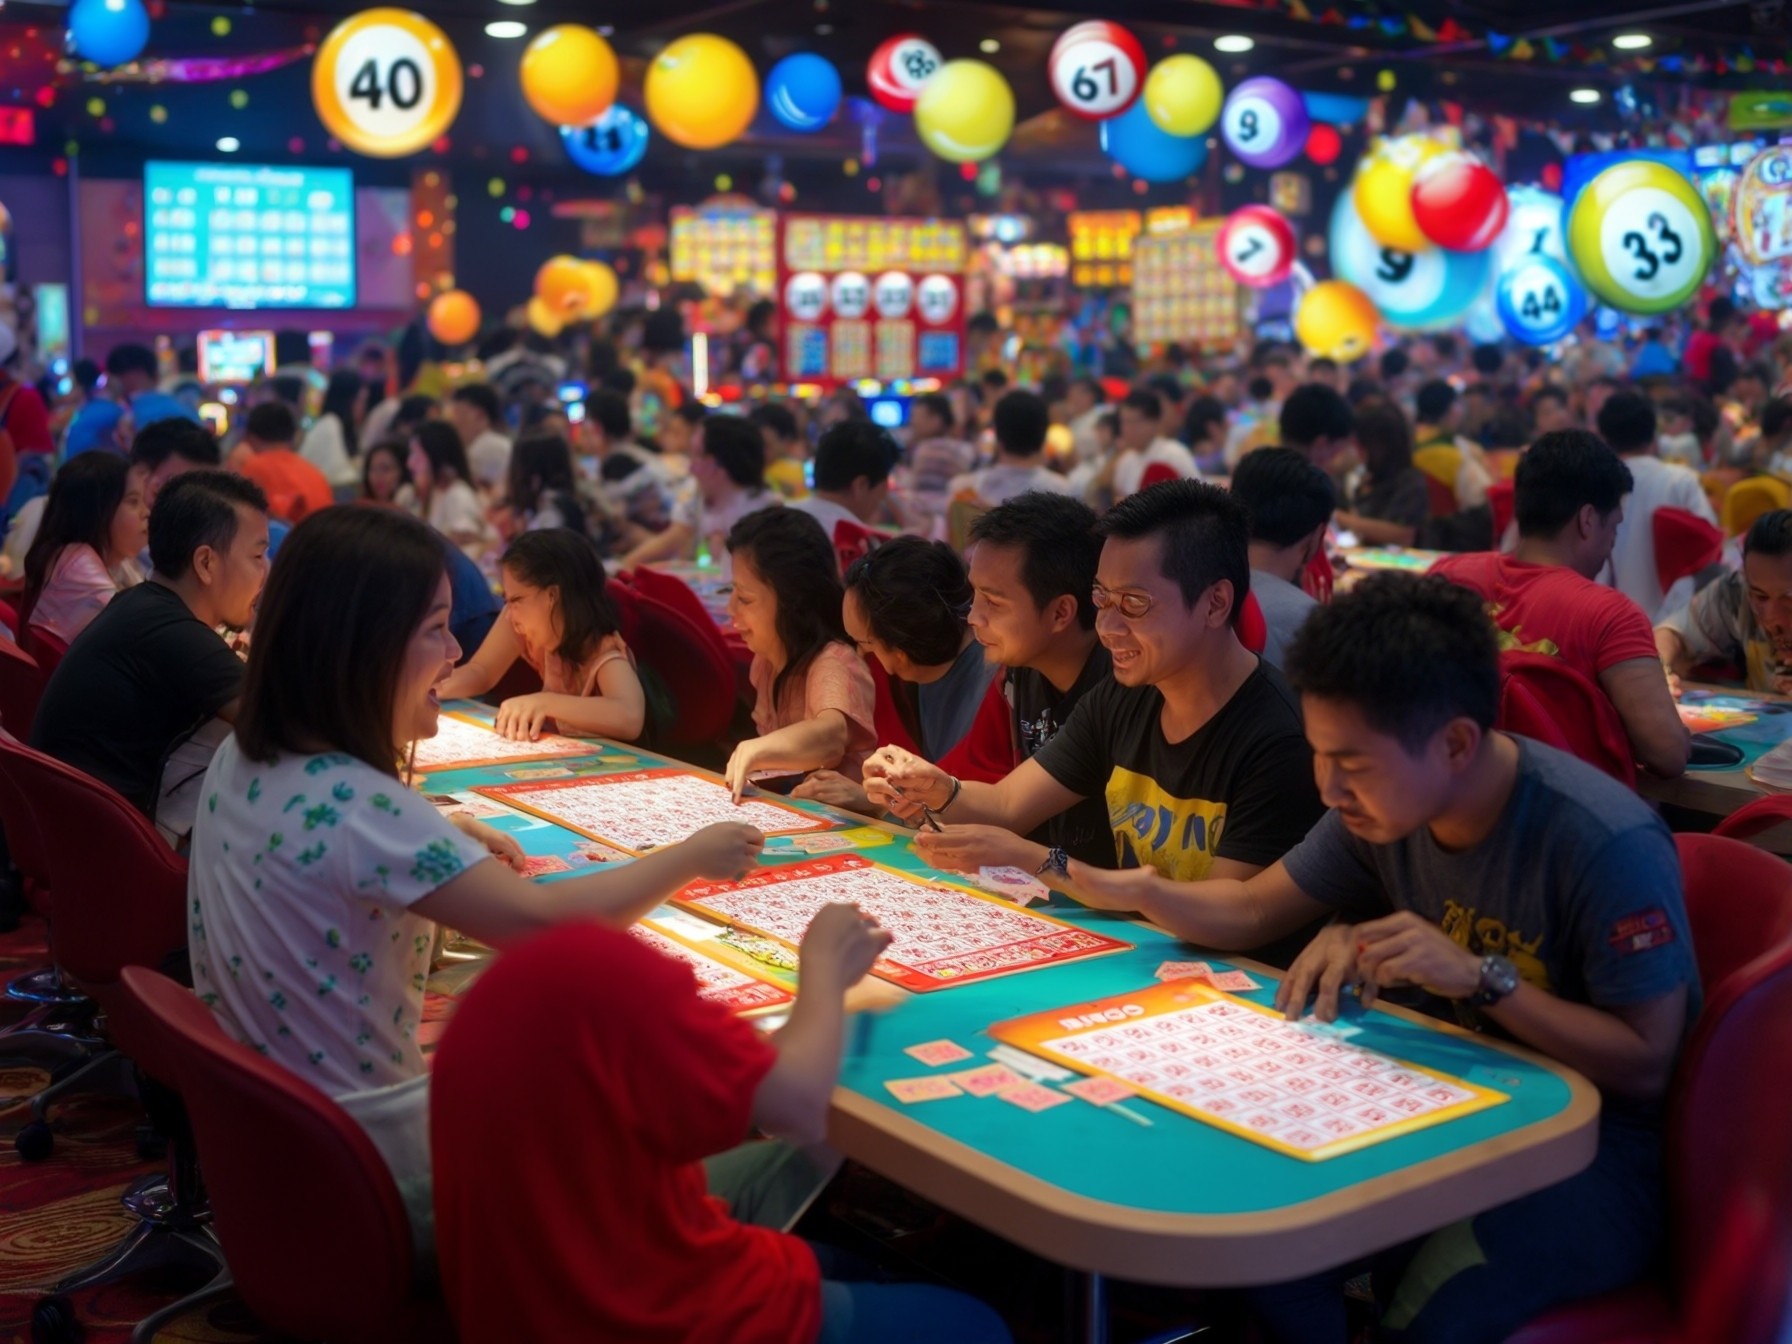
(1133, 606)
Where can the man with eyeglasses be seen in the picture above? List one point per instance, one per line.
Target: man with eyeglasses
(1196, 744)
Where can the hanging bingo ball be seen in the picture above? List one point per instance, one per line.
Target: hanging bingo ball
(1096, 69)
(1482, 321)
(1458, 202)
(1382, 191)
(560, 284)
(1335, 320)
(1183, 95)
(1256, 246)
(803, 91)
(108, 32)
(1135, 142)
(386, 82)
(701, 91)
(600, 289)
(569, 75)
(899, 68)
(965, 112)
(1539, 302)
(453, 317)
(543, 319)
(1533, 227)
(611, 145)
(1264, 123)
(1641, 237)
(1411, 290)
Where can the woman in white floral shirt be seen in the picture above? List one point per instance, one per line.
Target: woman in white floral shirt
(318, 877)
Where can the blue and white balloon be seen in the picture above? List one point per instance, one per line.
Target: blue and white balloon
(1539, 301)
(611, 145)
(1142, 147)
(108, 32)
(1534, 226)
(1413, 291)
(803, 91)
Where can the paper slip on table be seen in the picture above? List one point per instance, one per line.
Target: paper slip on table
(1179, 1202)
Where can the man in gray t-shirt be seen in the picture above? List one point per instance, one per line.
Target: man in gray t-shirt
(1290, 502)
(1534, 893)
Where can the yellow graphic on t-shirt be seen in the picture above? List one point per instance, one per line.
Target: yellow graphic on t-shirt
(1512, 637)
(1487, 936)
(1176, 836)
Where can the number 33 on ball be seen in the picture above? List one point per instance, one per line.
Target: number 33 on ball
(386, 82)
(1641, 235)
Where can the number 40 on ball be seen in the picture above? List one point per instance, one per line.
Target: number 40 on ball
(386, 82)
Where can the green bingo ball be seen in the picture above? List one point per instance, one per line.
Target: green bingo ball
(1641, 237)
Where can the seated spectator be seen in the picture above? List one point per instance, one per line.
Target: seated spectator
(445, 496)
(1393, 501)
(385, 479)
(1021, 420)
(477, 416)
(1454, 462)
(1143, 445)
(95, 523)
(330, 444)
(1627, 423)
(1206, 429)
(1568, 502)
(1318, 423)
(728, 468)
(906, 604)
(1550, 411)
(852, 475)
(542, 489)
(1290, 502)
(151, 670)
(786, 451)
(294, 486)
(937, 453)
(24, 419)
(1744, 618)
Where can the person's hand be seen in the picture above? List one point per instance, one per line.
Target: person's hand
(965, 849)
(1408, 949)
(1783, 685)
(1675, 688)
(725, 851)
(835, 789)
(503, 846)
(741, 764)
(1322, 970)
(1122, 889)
(903, 783)
(521, 717)
(839, 947)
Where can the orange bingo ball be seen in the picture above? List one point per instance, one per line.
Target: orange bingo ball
(386, 82)
(1336, 320)
(454, 317)
(561, 285)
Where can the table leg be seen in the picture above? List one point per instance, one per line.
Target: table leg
(1095, 1309)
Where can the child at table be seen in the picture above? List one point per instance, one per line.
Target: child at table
(813, 697)
(1530, 893)
(317, 878)
(559, 620)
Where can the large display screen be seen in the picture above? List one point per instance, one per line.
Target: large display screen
(225, 235)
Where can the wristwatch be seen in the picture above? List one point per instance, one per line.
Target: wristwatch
(1057, 864)
(1499, 977)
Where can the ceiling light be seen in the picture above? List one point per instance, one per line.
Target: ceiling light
(229, 145)
(516, 2)
(1235, 44)
(505, 28)
(824, 29)
(989, 46)
(1585, 95)
(1632, 41)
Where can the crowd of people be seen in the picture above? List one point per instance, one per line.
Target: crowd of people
(1099, 632)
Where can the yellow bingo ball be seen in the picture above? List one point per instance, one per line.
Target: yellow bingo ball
(965, 112)
(569, 75)
(560, 284)
(1382, 192)
(1183, 95)
(601, 288)
(701, 91)
(1336, 320)
(543, 319)
(386, 82)
(1641, 237)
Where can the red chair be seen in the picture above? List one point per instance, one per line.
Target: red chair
(1442, 497)
(1502, 499)
(306, 1208)
(21, 686)
(1684, 544)
(690, 658)
(1729, 1167)
(1761, 815)
(1543, 698)
(47, 648)
(671, 591)
(1316, 581)
(853, 541)
(1156, 473)
(1253, 630)
(9, 616)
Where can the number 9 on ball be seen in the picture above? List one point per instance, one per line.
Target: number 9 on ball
(1641, 237)
(386, 82)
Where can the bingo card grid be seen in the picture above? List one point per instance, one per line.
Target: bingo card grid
(464, 743)
(733, 988)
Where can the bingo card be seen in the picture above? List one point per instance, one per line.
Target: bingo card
(1245, 1069)
(720, 982)
(462, 742)
(641, 810)
(943, 934)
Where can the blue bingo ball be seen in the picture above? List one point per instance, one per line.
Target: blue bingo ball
(1142, 147)
(612, 144)
(1413, 291)
(803, 91)
(108, 32)
(1539, 301)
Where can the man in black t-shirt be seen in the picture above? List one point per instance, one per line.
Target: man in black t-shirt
(1195, 747)
(151, 669)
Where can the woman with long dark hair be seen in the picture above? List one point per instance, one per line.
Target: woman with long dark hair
(1393, 501)
(443, 480)
(330, 444)
(542, 488)
(95, 525)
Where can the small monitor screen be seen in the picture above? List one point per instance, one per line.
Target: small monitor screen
(235, 356)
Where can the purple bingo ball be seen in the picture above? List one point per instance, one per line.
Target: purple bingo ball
(1265, 123)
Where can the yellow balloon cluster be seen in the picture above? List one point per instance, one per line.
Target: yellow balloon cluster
(1336, 320)
(1382, 191)
(570, 290)
(569, 75)
(965, 112)
(701, 91)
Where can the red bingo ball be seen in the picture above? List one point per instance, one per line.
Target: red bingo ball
(1459, 203)
(899, 68)
(1256, 246)
(1097, 69)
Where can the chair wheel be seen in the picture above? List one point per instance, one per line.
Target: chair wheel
(53, 1321)
(35, 1142)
